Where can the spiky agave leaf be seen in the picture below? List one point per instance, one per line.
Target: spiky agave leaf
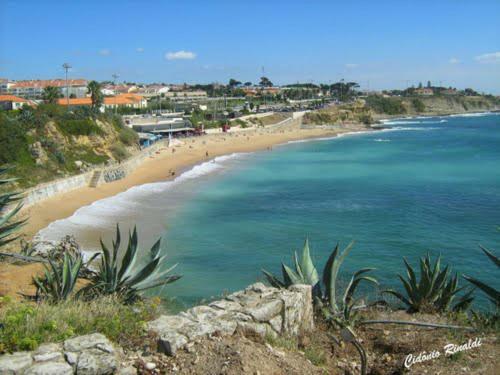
(273, 280)
(492, 293)
(124, 278)
(464, 302)
(435, 290)
(307, 268)
(59, 280)
(290, 276)
(399, 296)
(355, 281)
(330, 273)
(490, 255)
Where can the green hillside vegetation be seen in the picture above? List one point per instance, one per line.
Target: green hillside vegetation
(49, 141)
(356, 112)
(436, 104)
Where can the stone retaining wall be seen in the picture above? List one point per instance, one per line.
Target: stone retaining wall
(257, 310)
(109, 174)
(83, 355)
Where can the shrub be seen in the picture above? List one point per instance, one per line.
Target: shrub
(59, 280)
(435, 290)
(123, 278)
(341, 311)
(128, 136)
(27, 325)
(366, 118)
(418, 104)
(13, 142)
(80, 127)
(119, 152)
(116, 120)
(390, 106)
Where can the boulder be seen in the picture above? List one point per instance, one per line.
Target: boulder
(50, 368)
(96, 362)
(15, 363)
(77, 344)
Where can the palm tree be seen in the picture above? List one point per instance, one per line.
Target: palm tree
(94, 89)
(51, 94)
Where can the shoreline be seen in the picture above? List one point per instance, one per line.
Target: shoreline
(159, 168)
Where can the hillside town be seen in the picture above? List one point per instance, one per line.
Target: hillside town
(137, 98)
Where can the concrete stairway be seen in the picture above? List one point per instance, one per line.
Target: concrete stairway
(94, 181)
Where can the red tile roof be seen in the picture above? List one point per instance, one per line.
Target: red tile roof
(12, 98)
(49, 82)
(109, 100)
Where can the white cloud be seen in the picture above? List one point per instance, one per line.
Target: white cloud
(486, 58)
(139, 49)
(105, 52)
(180, 55)
(454, 60)
(351, 66)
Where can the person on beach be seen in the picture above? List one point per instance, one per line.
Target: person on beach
(206, 154)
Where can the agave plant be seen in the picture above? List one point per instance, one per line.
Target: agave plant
(305, 272)
(7, 225)
(434, 292)
(59, 280)
(342, 312)
(125, 278)
(492, 293)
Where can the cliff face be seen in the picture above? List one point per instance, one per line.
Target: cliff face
(455, 104)
(47, 142)
(374, 107)
(356, 112)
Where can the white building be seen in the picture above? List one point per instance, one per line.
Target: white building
(11, 102)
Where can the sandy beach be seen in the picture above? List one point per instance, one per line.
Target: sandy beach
(157, 168)
(161, 166)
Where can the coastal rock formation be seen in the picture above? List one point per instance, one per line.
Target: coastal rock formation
(257, 310)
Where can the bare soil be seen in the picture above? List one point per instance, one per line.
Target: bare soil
(317, 353)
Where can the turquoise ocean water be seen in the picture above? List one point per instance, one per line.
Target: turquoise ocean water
(425, 184)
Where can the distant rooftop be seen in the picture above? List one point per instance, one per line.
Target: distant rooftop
(42, 83)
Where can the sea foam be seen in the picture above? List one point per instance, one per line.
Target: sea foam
(101, 213)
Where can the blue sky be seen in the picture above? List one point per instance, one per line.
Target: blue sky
(380, 44)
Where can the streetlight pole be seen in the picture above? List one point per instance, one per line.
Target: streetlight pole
(115, 76)
(66, 67)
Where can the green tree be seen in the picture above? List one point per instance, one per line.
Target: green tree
(344, 90)
(265, 82)
(247, 84)
(429, 84)
(233, 83)
(418, 105)
(94, 89)
(51, 94)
